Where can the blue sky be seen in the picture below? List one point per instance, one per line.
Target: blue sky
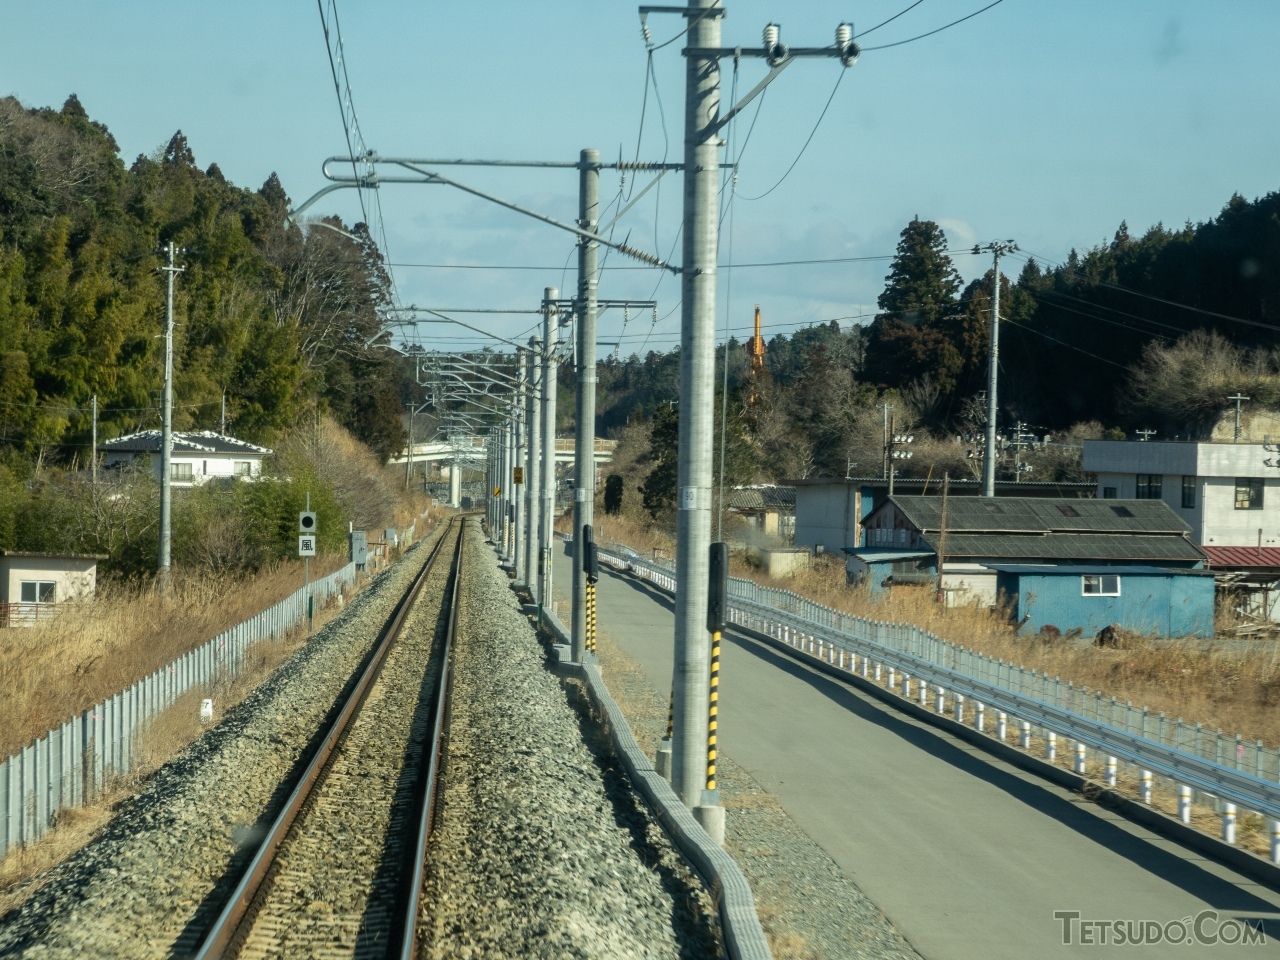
(1044, 122)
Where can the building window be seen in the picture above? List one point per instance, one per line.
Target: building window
(180, 471)
(1108, 493)
(1248, 493)
(243, 468)
(1150, 486)
(1188, 493)
(38, 591)
(1100, 585)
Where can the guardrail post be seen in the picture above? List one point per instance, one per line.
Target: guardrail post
(1144, 786)
(939, 700)
(1002, 725)
(980, 717)
(1024, 737)
(866, 665)
(959, 708)
(1274, 826)
(877, 672)
(1229, 823)
(1184, 803)
(1111, 771)
(841, 659)
(1080, 758)
(1051, 746)
(906, 686)
(924, 693)
(893, 678)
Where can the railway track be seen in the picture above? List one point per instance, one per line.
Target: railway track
(337, 874)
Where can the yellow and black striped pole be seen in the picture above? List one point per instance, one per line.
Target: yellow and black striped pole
(591, 617)
(712, 752)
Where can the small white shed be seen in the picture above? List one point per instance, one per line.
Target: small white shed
(33, 584)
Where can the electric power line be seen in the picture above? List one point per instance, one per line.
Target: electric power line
(886, 46)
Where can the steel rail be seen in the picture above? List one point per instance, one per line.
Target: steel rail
(408, 940)
(231, 923)
(1233, 786)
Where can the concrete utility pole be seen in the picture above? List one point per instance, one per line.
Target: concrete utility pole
(533, 491)
(1238, 397)
(166, 432)
(223, 419)
(702, 127)
(550, 340)
(93, 468)
(995, 248)
(584, 433)
(521, 460)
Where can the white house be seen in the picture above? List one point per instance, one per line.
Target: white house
(33, 584)
(196, 457)
(1225, 492)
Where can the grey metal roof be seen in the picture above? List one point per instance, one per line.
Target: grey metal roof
(197, 442)
(1053, 570)
(874, 555)
(1067, 546)
(1041, 515)
(763, 497)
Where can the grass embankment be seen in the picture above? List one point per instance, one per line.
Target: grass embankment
(53, 670)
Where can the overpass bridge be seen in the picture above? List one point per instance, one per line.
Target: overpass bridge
(474, 448)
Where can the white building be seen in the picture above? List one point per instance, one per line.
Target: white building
(196, 458)
(33, 584)
(1225, 491)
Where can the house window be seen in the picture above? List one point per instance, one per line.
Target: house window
(1100, 585)
(1108, 493)
(243, 468)
(180, 471)
(1248, 493)
(38, 591)
(1150, 486)
(1188, 493)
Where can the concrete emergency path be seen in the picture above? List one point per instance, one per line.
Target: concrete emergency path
(969, 856)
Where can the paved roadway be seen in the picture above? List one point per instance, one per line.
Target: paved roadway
(969, 856)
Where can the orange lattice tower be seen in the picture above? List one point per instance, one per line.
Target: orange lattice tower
(755, 348)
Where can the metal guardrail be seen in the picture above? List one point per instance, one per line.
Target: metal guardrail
(1225, 768)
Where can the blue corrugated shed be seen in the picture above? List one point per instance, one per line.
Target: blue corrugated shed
(1163, 601)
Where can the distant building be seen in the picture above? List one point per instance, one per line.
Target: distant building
(770, 509)
(1227, 494)
(1071, 563)
(829, 512)
(33, 584)
(196, 458)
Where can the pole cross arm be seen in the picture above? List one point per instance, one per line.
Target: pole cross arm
(430, 176)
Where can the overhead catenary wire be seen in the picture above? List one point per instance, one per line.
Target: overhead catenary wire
(899, 43)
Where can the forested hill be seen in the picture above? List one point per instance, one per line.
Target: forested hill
(1151, 332)
(278, 320)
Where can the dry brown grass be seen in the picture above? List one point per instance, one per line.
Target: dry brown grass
(52, 671)
(24, 868)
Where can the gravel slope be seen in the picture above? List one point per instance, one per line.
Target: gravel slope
(542, 849)
(141, 888)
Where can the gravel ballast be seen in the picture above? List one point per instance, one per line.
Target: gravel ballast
(151, 882)
(541, 848)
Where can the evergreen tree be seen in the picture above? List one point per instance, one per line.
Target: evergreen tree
(914, 336)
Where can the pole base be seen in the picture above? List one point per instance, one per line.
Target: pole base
(662, 761)
(712, 820)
